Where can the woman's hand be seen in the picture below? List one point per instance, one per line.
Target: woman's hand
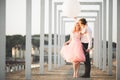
(65, 44)
(75, 18)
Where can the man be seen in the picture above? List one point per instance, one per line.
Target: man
(86, 39)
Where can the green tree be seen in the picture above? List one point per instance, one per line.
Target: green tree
(17, 41)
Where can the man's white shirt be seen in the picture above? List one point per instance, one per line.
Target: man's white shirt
(87, 37)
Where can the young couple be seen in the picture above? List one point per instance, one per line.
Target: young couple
(77, 48)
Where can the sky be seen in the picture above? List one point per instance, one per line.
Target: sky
(16, 18)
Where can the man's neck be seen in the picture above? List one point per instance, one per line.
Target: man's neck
(83, 26)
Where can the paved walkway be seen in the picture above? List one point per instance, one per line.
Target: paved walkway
(63, 73)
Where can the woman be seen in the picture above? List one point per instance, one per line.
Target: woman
(73, 52)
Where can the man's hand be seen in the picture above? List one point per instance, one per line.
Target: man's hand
(88, 50)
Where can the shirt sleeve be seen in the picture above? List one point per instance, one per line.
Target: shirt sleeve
(89, 38)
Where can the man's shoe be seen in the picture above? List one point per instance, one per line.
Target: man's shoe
(84, 76)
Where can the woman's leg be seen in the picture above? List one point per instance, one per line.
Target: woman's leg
(76, 66)
(77, 70)
(74, 69)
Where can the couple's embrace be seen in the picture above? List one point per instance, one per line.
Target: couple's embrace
(77, 48)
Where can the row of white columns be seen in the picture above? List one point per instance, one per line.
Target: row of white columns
(100, 41)
(107, 21)
(57, 44)
(28, 40)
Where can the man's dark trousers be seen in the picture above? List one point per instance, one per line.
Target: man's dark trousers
(87, 62)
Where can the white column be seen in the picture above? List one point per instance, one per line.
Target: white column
(95, 44)
(100, 37)
(59, 39)
(55, 37)
(50, 36)
(28, 41)
(104, 35)
(118, 42)
(110, 24)
(97, 39)
(64, 32)
(42, 20)
(62, 36)
(2, 38)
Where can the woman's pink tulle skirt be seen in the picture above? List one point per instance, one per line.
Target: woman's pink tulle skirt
(73, 52)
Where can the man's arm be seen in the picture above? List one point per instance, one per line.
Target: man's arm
(89, 38)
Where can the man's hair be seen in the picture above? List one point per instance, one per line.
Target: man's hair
(83, 21)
